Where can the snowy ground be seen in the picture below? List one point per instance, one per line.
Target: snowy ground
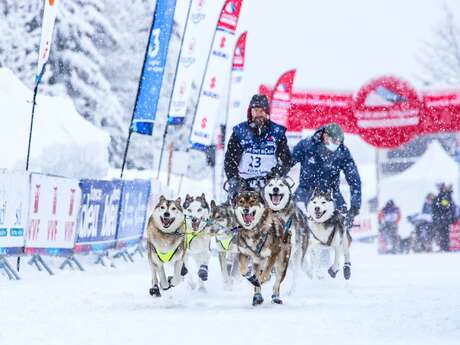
(412, 299)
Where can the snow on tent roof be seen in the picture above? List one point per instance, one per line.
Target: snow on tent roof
(409, 188)
(63, 142)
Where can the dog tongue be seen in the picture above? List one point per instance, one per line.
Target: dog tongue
(276, 199)
(195, 225)
(248, 218)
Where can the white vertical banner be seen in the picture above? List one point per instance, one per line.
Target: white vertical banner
(236, 113)
(216, 77)
(49, 18)
(53, 210)
(192, 61)
(14, 196)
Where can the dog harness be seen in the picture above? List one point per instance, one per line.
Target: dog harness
(227, 242)
(329, 239)
(167, 256)
(259, 245)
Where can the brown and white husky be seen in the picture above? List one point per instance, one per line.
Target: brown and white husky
(165, 244)
(261, 239)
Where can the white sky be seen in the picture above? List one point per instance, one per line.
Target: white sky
(336, 44)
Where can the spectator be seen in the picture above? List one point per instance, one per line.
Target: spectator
(444, 215)
(389, 217)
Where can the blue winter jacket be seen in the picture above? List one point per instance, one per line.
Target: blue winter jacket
(321, 168)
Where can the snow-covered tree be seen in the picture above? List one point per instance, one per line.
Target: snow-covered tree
(440, 57)
(20, 37)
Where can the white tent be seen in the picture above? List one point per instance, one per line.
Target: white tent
(63, 142)
(408, 189)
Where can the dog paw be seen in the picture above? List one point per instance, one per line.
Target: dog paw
(253, 280)
(170, 285)
(276, 299)
(257, 299)
(332, 272)
(155, 291)
(203, 272)
(183, 270)
(347, 270)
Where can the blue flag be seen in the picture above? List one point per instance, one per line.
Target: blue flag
(154, 64)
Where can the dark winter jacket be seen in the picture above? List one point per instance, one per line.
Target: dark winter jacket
(321, 168)
(245, 139)
(444, 209)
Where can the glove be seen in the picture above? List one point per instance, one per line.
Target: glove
(350, 217)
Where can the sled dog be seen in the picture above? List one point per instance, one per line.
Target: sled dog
(165, 243)
(260, 238)
(277, 194)
(225, 227)
(198, 236)
(326, 228)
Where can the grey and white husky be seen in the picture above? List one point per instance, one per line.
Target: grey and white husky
(225, 226)
(326, 227)
(278, 197)
(165, 244)
(198, 236)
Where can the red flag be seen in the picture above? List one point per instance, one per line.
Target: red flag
(281, 98)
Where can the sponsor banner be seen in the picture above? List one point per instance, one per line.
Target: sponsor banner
(49, 18)
(97, 221)
(281, 99)
(14, 201)
(216, 76)
(154, 65)
(53, 211)
(133, 209)
(236, 113)
(192, 60)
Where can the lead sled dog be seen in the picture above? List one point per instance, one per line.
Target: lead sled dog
(165, 244)
(261, 239)
(326, 227)
(277, 194)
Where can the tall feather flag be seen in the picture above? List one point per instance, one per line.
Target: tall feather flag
(148, 94)
(281, 98)
(235, 111)
(215, 80)
(49, 18)
(197, 42)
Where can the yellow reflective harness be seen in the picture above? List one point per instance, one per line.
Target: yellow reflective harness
(167, 256)
(227, 242)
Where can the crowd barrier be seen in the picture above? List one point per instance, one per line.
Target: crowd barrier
(57, 216)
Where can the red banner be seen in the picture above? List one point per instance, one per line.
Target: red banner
(281, 99)
(239, 52)
(386, 112)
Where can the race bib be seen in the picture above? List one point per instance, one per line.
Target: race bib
(253, 165)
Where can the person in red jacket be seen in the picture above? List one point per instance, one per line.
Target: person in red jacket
(389, 217)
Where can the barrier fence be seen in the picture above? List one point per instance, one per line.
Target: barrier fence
(57, 216)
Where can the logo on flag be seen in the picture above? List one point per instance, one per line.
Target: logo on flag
(230, 8)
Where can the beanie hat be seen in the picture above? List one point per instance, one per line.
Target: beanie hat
(258, 101)
(334, 131)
